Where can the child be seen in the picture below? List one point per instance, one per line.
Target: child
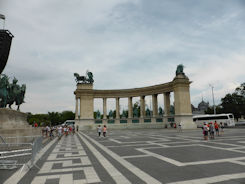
(104, 131)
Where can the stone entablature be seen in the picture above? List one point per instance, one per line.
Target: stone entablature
(124, 93)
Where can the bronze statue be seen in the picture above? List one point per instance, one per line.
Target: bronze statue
(124, 114)
(180, 69)
(148, 112)
(4, 84)
(111, 114)
(10, 93)
(97, 114)
(160, 111)
(88, 79)
(135, 112)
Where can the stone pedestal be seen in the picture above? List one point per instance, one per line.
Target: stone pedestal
(14, 127)
(182, 102)
(11, 119)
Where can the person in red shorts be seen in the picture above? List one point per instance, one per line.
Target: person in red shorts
(216, 126)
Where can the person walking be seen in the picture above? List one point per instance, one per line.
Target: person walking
(99, 128)
(211, 130)
(216, 126)
(179, 127)
(59, 132)
(104, 131)
(222, 128)
(205, 131)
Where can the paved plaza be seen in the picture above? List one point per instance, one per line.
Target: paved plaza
(140, 156)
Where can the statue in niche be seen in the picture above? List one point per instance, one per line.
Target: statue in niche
(160, 111)
(111, 114)
(135, 112)
(124, 114)
(148, 112)
(98, 114)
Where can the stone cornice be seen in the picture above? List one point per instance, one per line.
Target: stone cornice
(122, 93)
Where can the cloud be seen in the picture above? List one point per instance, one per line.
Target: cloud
(125, 43)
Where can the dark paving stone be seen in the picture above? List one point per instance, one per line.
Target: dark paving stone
(74, 153)
(60, 156)
(125, 151)
(195, 153)
(52, 181)
(57, 166)
(78, 175)
(62, 149)
(76, 161)
(166, 172)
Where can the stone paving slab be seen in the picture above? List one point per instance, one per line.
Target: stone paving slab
(143, 156)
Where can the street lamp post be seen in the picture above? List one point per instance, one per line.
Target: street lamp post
(213, 97)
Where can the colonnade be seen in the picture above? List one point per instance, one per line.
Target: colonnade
(85, 95)
(130, 106)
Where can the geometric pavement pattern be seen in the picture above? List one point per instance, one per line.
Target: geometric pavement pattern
(145, 156)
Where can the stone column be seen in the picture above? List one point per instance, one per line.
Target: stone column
(80, 107)
(142, 106)
(104, 109)
(166, 107)
(182, 102)
(130, 107)
(154, 105)
(166, 103)
(76, 111)
(117, 108)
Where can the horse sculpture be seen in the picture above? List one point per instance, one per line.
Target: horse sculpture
(10, 93)
(20, 96)
(84, 79)
(4, 83)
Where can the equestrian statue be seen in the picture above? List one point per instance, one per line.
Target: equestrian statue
(11, 93)
(87, 79)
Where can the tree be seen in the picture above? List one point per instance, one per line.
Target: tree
(53, 118)
(234, 103)
(67, 115)
(210, 110)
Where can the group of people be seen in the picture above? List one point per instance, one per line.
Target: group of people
(209, 128)
(101, 129)
(58, 130)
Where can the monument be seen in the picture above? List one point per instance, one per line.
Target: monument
(12, 122)
(180, 86)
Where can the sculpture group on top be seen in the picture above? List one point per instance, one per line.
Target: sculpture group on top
(87, 79)
(11, 93)
(180, 70)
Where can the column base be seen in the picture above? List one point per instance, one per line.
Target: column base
(186, 121)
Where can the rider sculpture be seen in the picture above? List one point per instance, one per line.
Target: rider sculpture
(10, 93)
(88, 79)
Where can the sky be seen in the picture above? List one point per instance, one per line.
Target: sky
(126, 44)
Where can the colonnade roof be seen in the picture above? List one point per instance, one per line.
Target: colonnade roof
(123, 93)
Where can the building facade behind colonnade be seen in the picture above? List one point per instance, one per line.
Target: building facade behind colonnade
(180, 86)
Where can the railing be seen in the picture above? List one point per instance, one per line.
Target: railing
(14, 155)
